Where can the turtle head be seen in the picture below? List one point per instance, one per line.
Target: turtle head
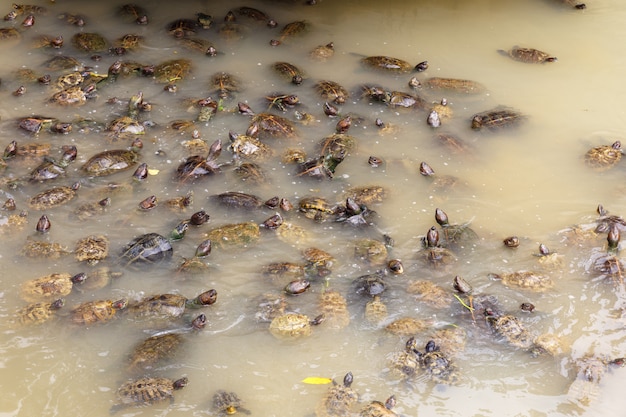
(79, 278)
(181, 383)
(199, 322)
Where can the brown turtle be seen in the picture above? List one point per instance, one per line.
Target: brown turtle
(50, 287)
(527, 280)
(100, 311)
(406, 326)
(495, 119)
(53, 197)
(147, 390)
(92, 249)
(293, 325)
(510, 329)
(37, 249)
(169, 306)
(334, 308)
(331, 91)
(38, 313)
(379, 409)
(322, 53)
(228, 403)
(387, 64)
(528, 55)
(339, 400)
(604, 157)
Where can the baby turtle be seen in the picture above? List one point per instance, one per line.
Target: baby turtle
(38, 313)
(528, 55)
(334, 308)
(169, 306)
(406, 326)
(109, 162)
(100, 311)
(228, 403)
(37, 249)
(322, 53)
(160, 347)
(331, 91)
(149, 248)
(604, 157)
(234, 235)
(379, 409)
(495, 119)
(405, 364)
(50, 287)
(92, 249)
(339, 399)
(527, 280)
(146, 391)
(53, 197)
(387, 64)
(90, 42)
(293, 325)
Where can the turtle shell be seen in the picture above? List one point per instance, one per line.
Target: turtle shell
(406, 326)
(271, 125)
(227, 402)
(37, 313)
(291, 325)
(387, 64)
(110, 162)
(235, 235)
(147, 354)
(379, 409)
(146, 390)
(149, 248)
(453, 85)
(339, 399)
(289, 72)
(511, 329)
(53, 197)
(48, 250)
(92, 249)
(375, 310)
(173, 70)
(604, 157)
(527, 280)
(334, 307)
(93, 312)
(168, 306)
(89, 42)
(322, 53)
(528, 55)
(331, 91)
(496, 119)
(49, 287)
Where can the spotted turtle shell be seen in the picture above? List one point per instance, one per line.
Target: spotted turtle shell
(149, 248)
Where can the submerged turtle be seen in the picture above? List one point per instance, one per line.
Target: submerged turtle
(334, 308)
(437, 365)
(271, 125)
(331, 91)
(53, 197)
(169, 306)
(406, 326)
(270, 306)
(604, 157)
(50, 287)
(289, 72)
(248, 147)
(528, 55)
(228, 403)
(38, 313)
(316, 208)
(430, 293)
(527, 280)
(234, 235)
(155, 349)
(375, 310)
(90, 42)
(172, 70)
(38, 249)
(149, 248)
(293, 29)
(454, 234)
(100, 311)
(496, 119)
(453, 85)
(92, 249)
(379, 409)
(322, 53)
(111, 161)
(339, 400)
(147, 390)
(371, 251)
(510, 329)
(590, 370)
(292, 325)
(225, 84)
(367, 195)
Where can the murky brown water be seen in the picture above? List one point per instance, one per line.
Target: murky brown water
(530, 181)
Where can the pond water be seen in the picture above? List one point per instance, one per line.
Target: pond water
(528, 180)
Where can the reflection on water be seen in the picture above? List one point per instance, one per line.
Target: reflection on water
(530, 181)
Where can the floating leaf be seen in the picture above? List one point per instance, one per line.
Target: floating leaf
(317, 380)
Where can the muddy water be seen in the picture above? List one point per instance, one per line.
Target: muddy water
(529, 181)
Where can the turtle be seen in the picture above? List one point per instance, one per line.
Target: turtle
(292, 233)
(547, 344)
(437, 365)
(293, 29)
(337, 145)
(334, 307)
(370, 284)
(528, 55)
(318, 257)
(405, 364)
(289, 72)
(9, 34)
(172, 70)
(451, 340)
(406, 326)
(248, 147)
(225, 84)
(331, 91)
(293, 325)
(253, 14)
(147, 390)
(395, 99)
(270, 306)
(91, 209)
(100, 311)
(387, 64)
(573, 3)
(235, 199)
(453, 234)
(379, 409)
(369, 194)
(149, 353)
(124, 127)
(149, 248)
(228, 403)
(129, 41)
(339, 400)
(375, 310)
(61, 62)
(38, 313)
(453, 85)
(169, 306)
(89, 42)
(37, 123)
(372, 251)
(53, 197)
(604, 157)
(453, 144)
(201, 45)
(181, 202)
(527, 280)
(37, 249)
(510, 329)
(50, 287)
(234, 235)
(590, 370)
(322, 53)
(230, 30)
(496, 118)
(271, 125)
(92, 249)
(99, 278)
(430, 293)
(181, 28)
(133, 12)
(74, 96)
(197, 166)
(316, 208)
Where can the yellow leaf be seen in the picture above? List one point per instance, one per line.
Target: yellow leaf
(153, 171)
(317, 380)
